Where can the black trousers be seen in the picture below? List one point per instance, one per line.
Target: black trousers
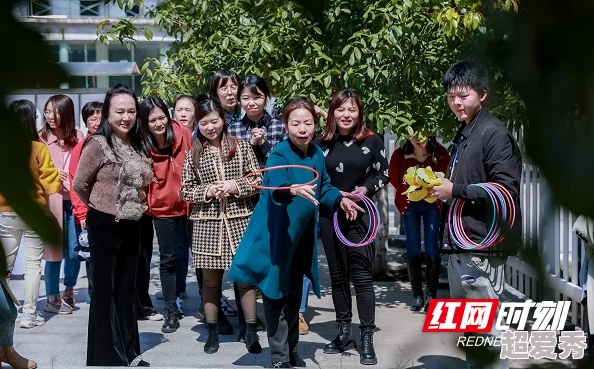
(282, 315)
(350, 263)
(113, 338)
(170, 232)
(144, 305)
(183, 256)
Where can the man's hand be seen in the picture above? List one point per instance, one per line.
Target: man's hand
(350, 208)
(83, 224)
(307, 192)
(443, 191)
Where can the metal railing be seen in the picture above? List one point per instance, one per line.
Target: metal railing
(74, 9)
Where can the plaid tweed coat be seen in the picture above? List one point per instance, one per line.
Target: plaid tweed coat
(218, 225)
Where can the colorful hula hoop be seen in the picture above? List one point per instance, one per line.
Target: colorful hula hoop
(316, 176)
(503, 209)
(374, 222)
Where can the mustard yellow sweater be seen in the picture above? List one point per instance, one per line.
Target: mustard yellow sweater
(45, 175)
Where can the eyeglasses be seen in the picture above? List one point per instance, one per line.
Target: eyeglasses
(92, 120)
(232, 88)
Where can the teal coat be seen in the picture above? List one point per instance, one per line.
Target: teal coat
(265, 253)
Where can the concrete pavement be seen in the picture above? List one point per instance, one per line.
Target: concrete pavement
(61, 342)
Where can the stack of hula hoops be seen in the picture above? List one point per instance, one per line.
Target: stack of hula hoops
(505, 214)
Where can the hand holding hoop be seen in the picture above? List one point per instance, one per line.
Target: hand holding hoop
(248, 183)
(307, 192)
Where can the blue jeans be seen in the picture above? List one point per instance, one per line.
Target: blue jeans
(412, 226)
(71, 266)
(8, 314)
(305, 294)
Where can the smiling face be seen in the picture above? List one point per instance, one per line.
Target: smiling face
(346, 117)
(227, 94)
(211, 127)
(52, 117)
(300, 127)
(157, 122)
(184, 113)
(465, 102)
(122, 114)
(253, 103)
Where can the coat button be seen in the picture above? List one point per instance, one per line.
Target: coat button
(472, 202)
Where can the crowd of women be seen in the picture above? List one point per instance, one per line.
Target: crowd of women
(196, 180)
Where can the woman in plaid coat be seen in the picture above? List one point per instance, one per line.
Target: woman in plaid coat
(212, 181)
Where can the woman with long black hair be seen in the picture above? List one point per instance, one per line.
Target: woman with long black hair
(167, 143)
(113, 171)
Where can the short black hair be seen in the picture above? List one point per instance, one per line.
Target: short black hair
(90, 109)
(468, 74)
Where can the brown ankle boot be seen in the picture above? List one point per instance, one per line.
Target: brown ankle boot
(9, 356)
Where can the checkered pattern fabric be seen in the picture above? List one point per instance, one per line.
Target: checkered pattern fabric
(218, 225)
(275, 133)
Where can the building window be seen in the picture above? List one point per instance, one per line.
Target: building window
(91, 8)
(133, 11)
(40, 7)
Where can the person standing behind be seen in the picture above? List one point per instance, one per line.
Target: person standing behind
(167, 142)
(91, 115)
(223, 90)
(221, 208)
(12, 227)
(356, 163)
(60, 136)
(421, 154)
(110, 181)
(484, 151)
(257, 127)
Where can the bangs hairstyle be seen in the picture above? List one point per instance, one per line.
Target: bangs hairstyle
(26, 112)
(146, 108)
(90, 109)
(220, 79)
(466, 74)
(105, 128)
(299, 102)
(408, 147)
(228, 142)
(253, 83)
(64, 109)
(338, 99)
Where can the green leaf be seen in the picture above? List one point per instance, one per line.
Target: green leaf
(352, 59)
(148, 33)
(267, 46)
(357, 53)
(327, 80)
(345, 10)
(346, 49)
(370, 72)
(297, 74)
(410, 131)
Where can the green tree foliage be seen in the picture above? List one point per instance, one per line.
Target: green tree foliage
(393, 53)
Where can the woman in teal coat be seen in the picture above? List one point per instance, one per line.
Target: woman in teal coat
(279, 244)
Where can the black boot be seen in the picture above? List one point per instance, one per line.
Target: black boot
(367, 352)
(251, 339)
(212, 343)
(171, 323)
(433, 269)
(342, 341)
(225, 328)
(296, 361)
(416, 282)
(242, 330)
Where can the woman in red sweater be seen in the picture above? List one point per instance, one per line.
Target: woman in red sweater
(422, 154)
(167, 143)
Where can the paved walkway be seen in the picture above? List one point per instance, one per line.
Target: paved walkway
(61, 342)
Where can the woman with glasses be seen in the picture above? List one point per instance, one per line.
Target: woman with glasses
(60, 136)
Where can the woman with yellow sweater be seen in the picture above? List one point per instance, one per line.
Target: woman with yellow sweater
(13, 230)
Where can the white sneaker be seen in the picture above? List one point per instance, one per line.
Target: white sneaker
(154, 316)
(19, 317)
(32, 320)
